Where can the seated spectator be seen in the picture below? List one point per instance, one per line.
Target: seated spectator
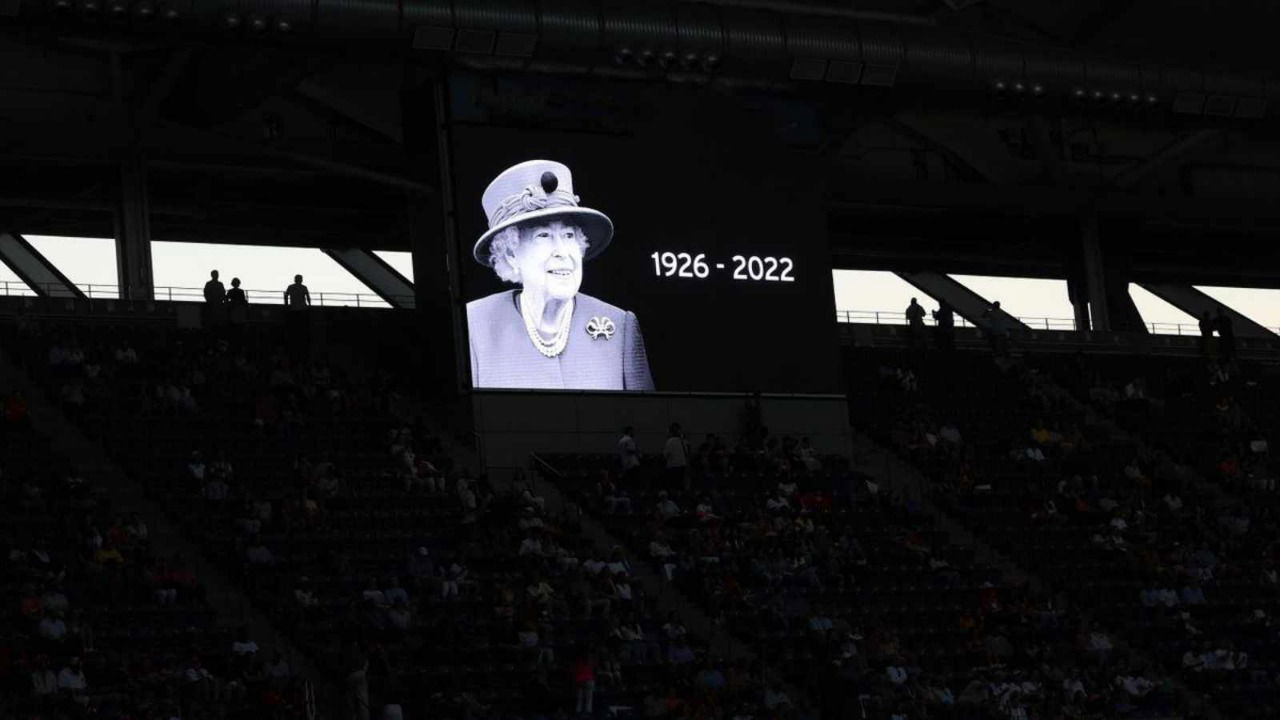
(399, 616)
(44, 682)
(420, 566)
(71, 681)
(667, 508)
(52, 627)
(396, 593)
(244, 645)
(950, 433)
(1193, 594)
(259, 555)
(373, 594)
(303, 594)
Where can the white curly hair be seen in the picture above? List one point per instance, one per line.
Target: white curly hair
(503, 247)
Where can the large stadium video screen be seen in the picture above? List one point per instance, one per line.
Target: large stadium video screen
(682, 248)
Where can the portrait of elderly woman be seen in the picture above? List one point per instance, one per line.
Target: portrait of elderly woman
(544, 334)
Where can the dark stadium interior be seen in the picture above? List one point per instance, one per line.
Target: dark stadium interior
(218, 510)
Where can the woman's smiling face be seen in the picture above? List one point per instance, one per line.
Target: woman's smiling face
(549, 260)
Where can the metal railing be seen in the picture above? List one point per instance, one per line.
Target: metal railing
(889, 317)
(98, 291)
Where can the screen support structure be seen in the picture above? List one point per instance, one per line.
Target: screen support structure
(133, 233)
(433, 234)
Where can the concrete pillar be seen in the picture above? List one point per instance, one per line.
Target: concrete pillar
(433, 236)
(1095, 277)
(133, 233)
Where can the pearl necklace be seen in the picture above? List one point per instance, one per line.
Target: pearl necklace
(555, 346)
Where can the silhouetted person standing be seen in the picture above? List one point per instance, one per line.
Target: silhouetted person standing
(296, 301)
(237, 308)
(628, 453)
(676, 455)
(945, 320)
(215, 294)
(1226, 335)
(997, 329)
(296, 296)
(915, 323)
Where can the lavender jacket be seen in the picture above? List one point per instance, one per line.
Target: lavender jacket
(502, 356)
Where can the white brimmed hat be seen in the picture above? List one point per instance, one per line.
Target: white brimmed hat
(539, 190)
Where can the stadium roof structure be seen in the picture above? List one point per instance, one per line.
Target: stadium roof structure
(976, 135)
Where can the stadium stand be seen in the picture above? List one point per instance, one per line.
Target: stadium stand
(1123, 524)
(1086, 537)
(327, 496)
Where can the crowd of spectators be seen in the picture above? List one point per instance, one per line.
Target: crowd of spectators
(1138, 494)
(419, 588)
(1027, 453)
(853, 597)
(102, 620)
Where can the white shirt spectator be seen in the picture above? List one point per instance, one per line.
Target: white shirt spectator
(950, 433)
(43, 683)
(530, 546)
(137, 529)
(52, 628)
(660, 549)
(468, 499)
(628, 453)
(528, 498)
(897, 675)
(399, 617)
(1193, 661)
(622, 590)
(247, 647)
(675, 452)
(72, 678)
(1099, 641)
(667, 508)
(1137, 686)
